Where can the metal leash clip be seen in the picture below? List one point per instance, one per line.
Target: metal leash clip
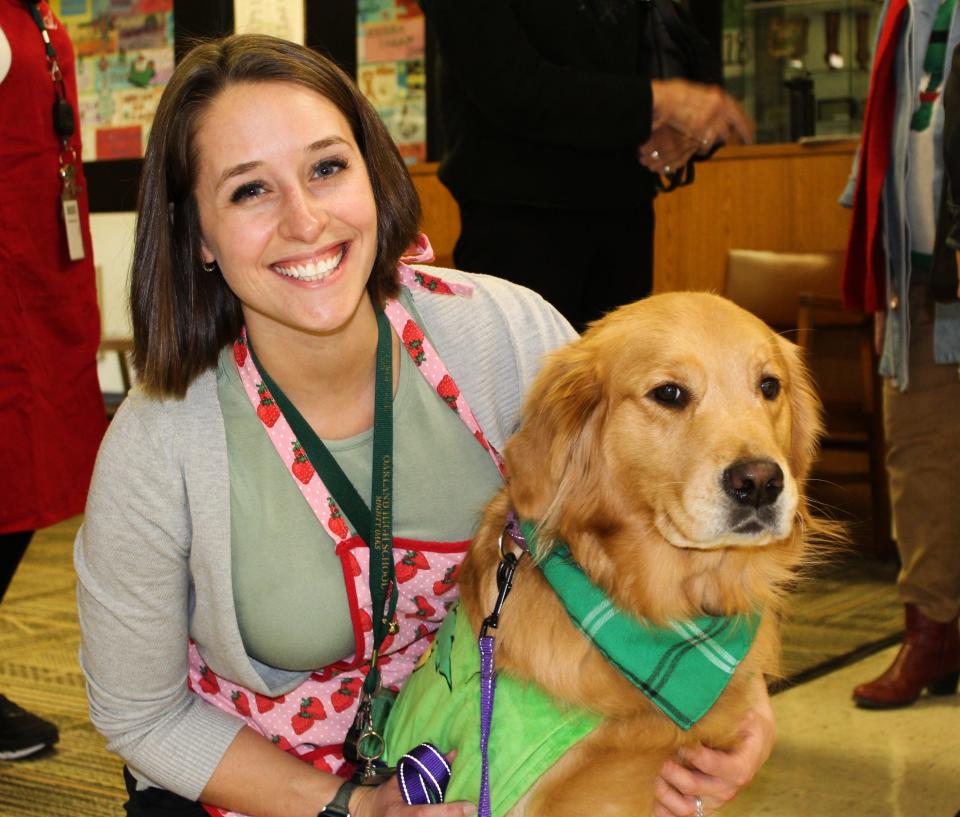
(505, 571)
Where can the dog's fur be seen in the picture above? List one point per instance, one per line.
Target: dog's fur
(636, 488)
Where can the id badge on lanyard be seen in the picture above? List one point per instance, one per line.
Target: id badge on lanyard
(70, 205)
(64, 125)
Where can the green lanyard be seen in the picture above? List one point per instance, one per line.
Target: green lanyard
(377, 524)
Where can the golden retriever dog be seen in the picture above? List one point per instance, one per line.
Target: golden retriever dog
(668, 448)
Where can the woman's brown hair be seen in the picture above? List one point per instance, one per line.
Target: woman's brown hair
(183, 315)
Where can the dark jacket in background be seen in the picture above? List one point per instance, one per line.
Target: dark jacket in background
(543, 103)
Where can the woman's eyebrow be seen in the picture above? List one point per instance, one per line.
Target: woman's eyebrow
(322, 144)
(236, 170)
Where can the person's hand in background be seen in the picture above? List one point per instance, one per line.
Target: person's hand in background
(667, 150)
(704, 113)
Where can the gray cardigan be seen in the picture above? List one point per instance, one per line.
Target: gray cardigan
(153, 554)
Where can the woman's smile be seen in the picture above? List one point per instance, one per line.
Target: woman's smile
(317, 267)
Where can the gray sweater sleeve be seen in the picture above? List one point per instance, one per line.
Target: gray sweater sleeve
(132, 558)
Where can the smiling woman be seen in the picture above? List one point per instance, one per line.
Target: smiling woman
(279, 512)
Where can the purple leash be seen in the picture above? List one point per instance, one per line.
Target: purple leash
(488, 688)
(424, 772)
(488, 676)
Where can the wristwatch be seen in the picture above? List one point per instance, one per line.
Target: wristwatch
(340, 805)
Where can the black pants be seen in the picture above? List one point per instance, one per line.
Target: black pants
(12, 548)
(584, 263)
(158, 802)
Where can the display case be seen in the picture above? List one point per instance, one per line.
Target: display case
(800, 67)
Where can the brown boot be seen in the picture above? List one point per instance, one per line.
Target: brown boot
(929, 657)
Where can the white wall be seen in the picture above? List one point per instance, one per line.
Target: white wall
(112, 251)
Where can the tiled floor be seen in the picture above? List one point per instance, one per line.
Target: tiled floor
(835, 760)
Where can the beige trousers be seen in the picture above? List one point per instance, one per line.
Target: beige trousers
(922, 428)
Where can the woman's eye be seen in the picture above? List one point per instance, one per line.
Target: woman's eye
(770, 388)
(328, 167)
(247, 191)
(671, 395)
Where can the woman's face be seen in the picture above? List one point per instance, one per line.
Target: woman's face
(286, 207)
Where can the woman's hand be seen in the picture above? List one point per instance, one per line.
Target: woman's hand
(716, 776)
(705, 113)
(667, 150)
(385, 800)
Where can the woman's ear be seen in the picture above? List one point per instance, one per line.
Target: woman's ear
(208, 257)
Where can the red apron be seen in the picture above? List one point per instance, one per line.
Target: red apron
(51, 409)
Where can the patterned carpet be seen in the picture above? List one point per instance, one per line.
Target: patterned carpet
(38, 669)
(839, 612)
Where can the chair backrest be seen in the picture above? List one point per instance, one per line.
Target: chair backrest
(769, 283)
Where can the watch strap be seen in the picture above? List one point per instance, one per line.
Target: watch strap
(340, 805)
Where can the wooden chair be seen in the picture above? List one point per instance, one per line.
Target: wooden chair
(798, 294)
(121, 347)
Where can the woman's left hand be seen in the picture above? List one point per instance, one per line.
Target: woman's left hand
(716, 776)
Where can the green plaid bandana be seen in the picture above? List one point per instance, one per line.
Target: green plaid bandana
(682, 668)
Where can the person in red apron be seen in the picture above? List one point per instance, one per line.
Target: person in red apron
(51, 409)
(279, 511)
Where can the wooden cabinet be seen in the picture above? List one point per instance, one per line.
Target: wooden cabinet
(761, 197)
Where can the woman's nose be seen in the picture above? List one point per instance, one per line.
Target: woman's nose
(303, 219)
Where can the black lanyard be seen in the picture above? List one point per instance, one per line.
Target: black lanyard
(378, 524)
(64, 123)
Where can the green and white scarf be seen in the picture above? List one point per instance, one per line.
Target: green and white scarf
(682, 668)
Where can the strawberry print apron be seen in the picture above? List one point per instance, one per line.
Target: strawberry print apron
(312, 720)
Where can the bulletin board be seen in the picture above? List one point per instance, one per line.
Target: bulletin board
(124, 51)
(391, 70)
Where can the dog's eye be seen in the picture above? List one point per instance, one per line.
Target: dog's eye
(770, 387)
(672, 395)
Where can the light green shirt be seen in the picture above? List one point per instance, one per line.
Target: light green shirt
(283, 562)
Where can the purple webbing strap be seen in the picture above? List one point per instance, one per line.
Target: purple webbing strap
(423, 774)
(513, 528)
(488, 687)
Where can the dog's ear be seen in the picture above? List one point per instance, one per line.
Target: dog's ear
(558, 447)
(806, 410)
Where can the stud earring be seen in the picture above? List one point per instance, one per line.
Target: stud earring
(211, 267)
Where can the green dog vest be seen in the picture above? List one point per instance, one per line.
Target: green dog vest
(440, 704)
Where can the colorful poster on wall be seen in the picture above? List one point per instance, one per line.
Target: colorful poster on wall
(124, 52)
(390, 70)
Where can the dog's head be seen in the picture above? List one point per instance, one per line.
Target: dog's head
(674, 437)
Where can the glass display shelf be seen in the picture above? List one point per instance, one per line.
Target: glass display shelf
(801, 68)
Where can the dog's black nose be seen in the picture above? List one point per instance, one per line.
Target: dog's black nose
(753, 482)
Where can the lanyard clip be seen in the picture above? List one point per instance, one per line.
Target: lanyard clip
(508, 566)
